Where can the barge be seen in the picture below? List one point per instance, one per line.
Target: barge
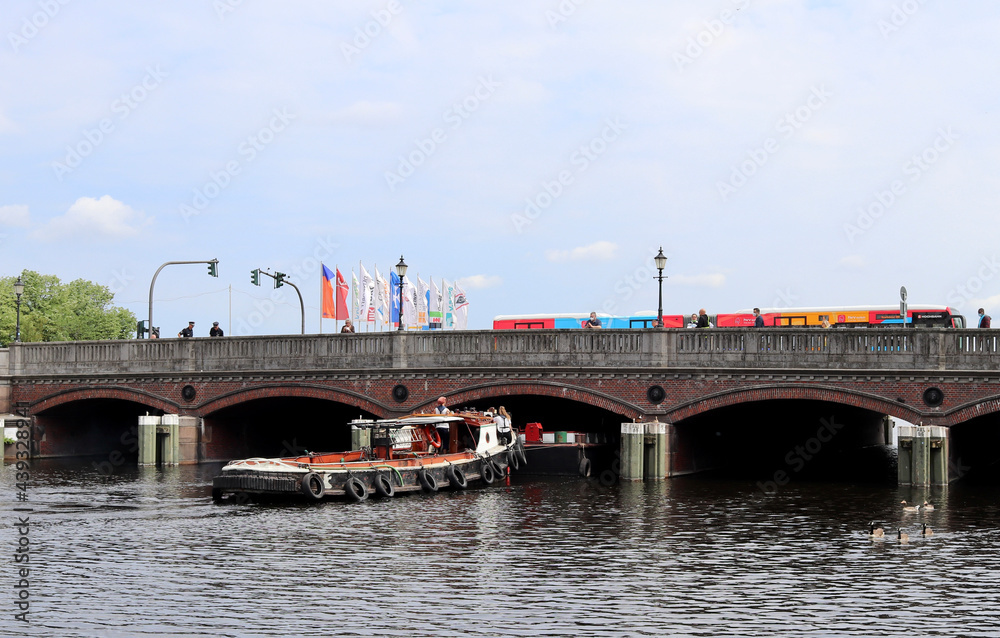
(417, 453)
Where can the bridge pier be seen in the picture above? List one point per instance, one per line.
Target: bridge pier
(923, 455)
(644, 451)
(160, 439)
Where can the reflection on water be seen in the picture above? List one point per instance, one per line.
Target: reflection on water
(146, 553)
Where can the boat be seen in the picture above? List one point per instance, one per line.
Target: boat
(395, 456)
(567, 453)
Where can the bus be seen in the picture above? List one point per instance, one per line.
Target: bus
(917, 316)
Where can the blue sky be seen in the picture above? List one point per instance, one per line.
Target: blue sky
(782, 153)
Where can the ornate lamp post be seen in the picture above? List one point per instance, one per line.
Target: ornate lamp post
(18, 290)
(401, 271)
(661, 262)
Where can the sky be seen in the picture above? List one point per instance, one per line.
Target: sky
(782, 153)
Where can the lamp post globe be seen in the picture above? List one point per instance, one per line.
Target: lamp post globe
(18, 291)
(661, 262)
(401, 271)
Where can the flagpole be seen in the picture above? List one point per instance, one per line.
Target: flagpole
(321, 297)
(336, 297)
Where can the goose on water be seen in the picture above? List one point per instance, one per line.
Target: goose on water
(909, 508)
(928, 506)
(875, 530)
(902, 536)
(927, 531)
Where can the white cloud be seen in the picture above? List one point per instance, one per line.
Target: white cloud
(853, 261)
(711, 280)
(15, 215)
(480, 281)
(106, 217)
(367, 113)
(598, 251)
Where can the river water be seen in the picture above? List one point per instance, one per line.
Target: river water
(147, 553)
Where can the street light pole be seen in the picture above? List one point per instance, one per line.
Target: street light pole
(401, 271)
(213, 265)
(661, 262)
(18, 290)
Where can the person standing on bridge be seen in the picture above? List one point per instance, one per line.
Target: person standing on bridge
(187, 332)
(703, 321)
(593, 323)
(216, 331)
(758, 321)
(348, 326)
(984, 319)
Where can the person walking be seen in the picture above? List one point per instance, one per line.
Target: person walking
(216, 331)
(187, 332)
(984, 319)
(758, 321)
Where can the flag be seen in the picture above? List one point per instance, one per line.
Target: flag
(409, 305)
(434, 305)
(394, 298)
(421, 301)
(381, 298)
(355, 297)
(461, 309)
(329, 307)
(341, 296)
(367, 296)
(449, 305)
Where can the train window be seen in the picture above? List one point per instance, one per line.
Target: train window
(528, 325)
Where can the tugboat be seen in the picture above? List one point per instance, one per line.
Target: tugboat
(404, 455)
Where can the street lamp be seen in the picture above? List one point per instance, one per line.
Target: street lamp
(401, 271)
(18, 290)
(661, 262)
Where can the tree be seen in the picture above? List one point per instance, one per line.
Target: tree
(53, 311)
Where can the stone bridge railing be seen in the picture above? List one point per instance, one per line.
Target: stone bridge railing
(775, 348)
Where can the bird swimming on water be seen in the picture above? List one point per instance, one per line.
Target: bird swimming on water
(909, 508)
(875, 530)
(927, 531)
(902, 536)
(928, 506)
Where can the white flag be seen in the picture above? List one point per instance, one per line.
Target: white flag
(434, 307)
(367, 296)
(422, 318)
(409, 304)
(461, 309)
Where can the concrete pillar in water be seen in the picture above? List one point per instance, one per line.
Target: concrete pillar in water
(656, 451)
(632, 443)
(147, 439)
(923, 455)
(170, 428)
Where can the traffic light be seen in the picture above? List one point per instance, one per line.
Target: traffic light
(255, 276)
(279, 278)
(213, 268)
(140, 329)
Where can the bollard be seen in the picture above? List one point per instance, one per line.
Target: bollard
(170, 427)
(923, 455)
(632, 441)
(147, 439)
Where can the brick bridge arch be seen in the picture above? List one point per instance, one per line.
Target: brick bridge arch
(793, 392)
(474, 393)
(283, 390)
(122, 393)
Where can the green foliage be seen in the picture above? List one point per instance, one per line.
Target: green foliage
(53, 311)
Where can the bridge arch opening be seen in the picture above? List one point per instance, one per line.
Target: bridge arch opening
(101, 429)
(974, 454)
(279, 426)
(779, 441)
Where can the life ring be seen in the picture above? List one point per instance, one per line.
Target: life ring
(457, 477)
(384, 486)
(312, 486)
(585, 467)
(433, 436)
(357, 490)
(488, 473)
(427, 481)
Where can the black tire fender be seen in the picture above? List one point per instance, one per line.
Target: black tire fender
(427, 481)
(356, 489)
(457, 477)
(488, 473)
(384, 486)
(585, 467)
(313, 486)
(513, 459)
